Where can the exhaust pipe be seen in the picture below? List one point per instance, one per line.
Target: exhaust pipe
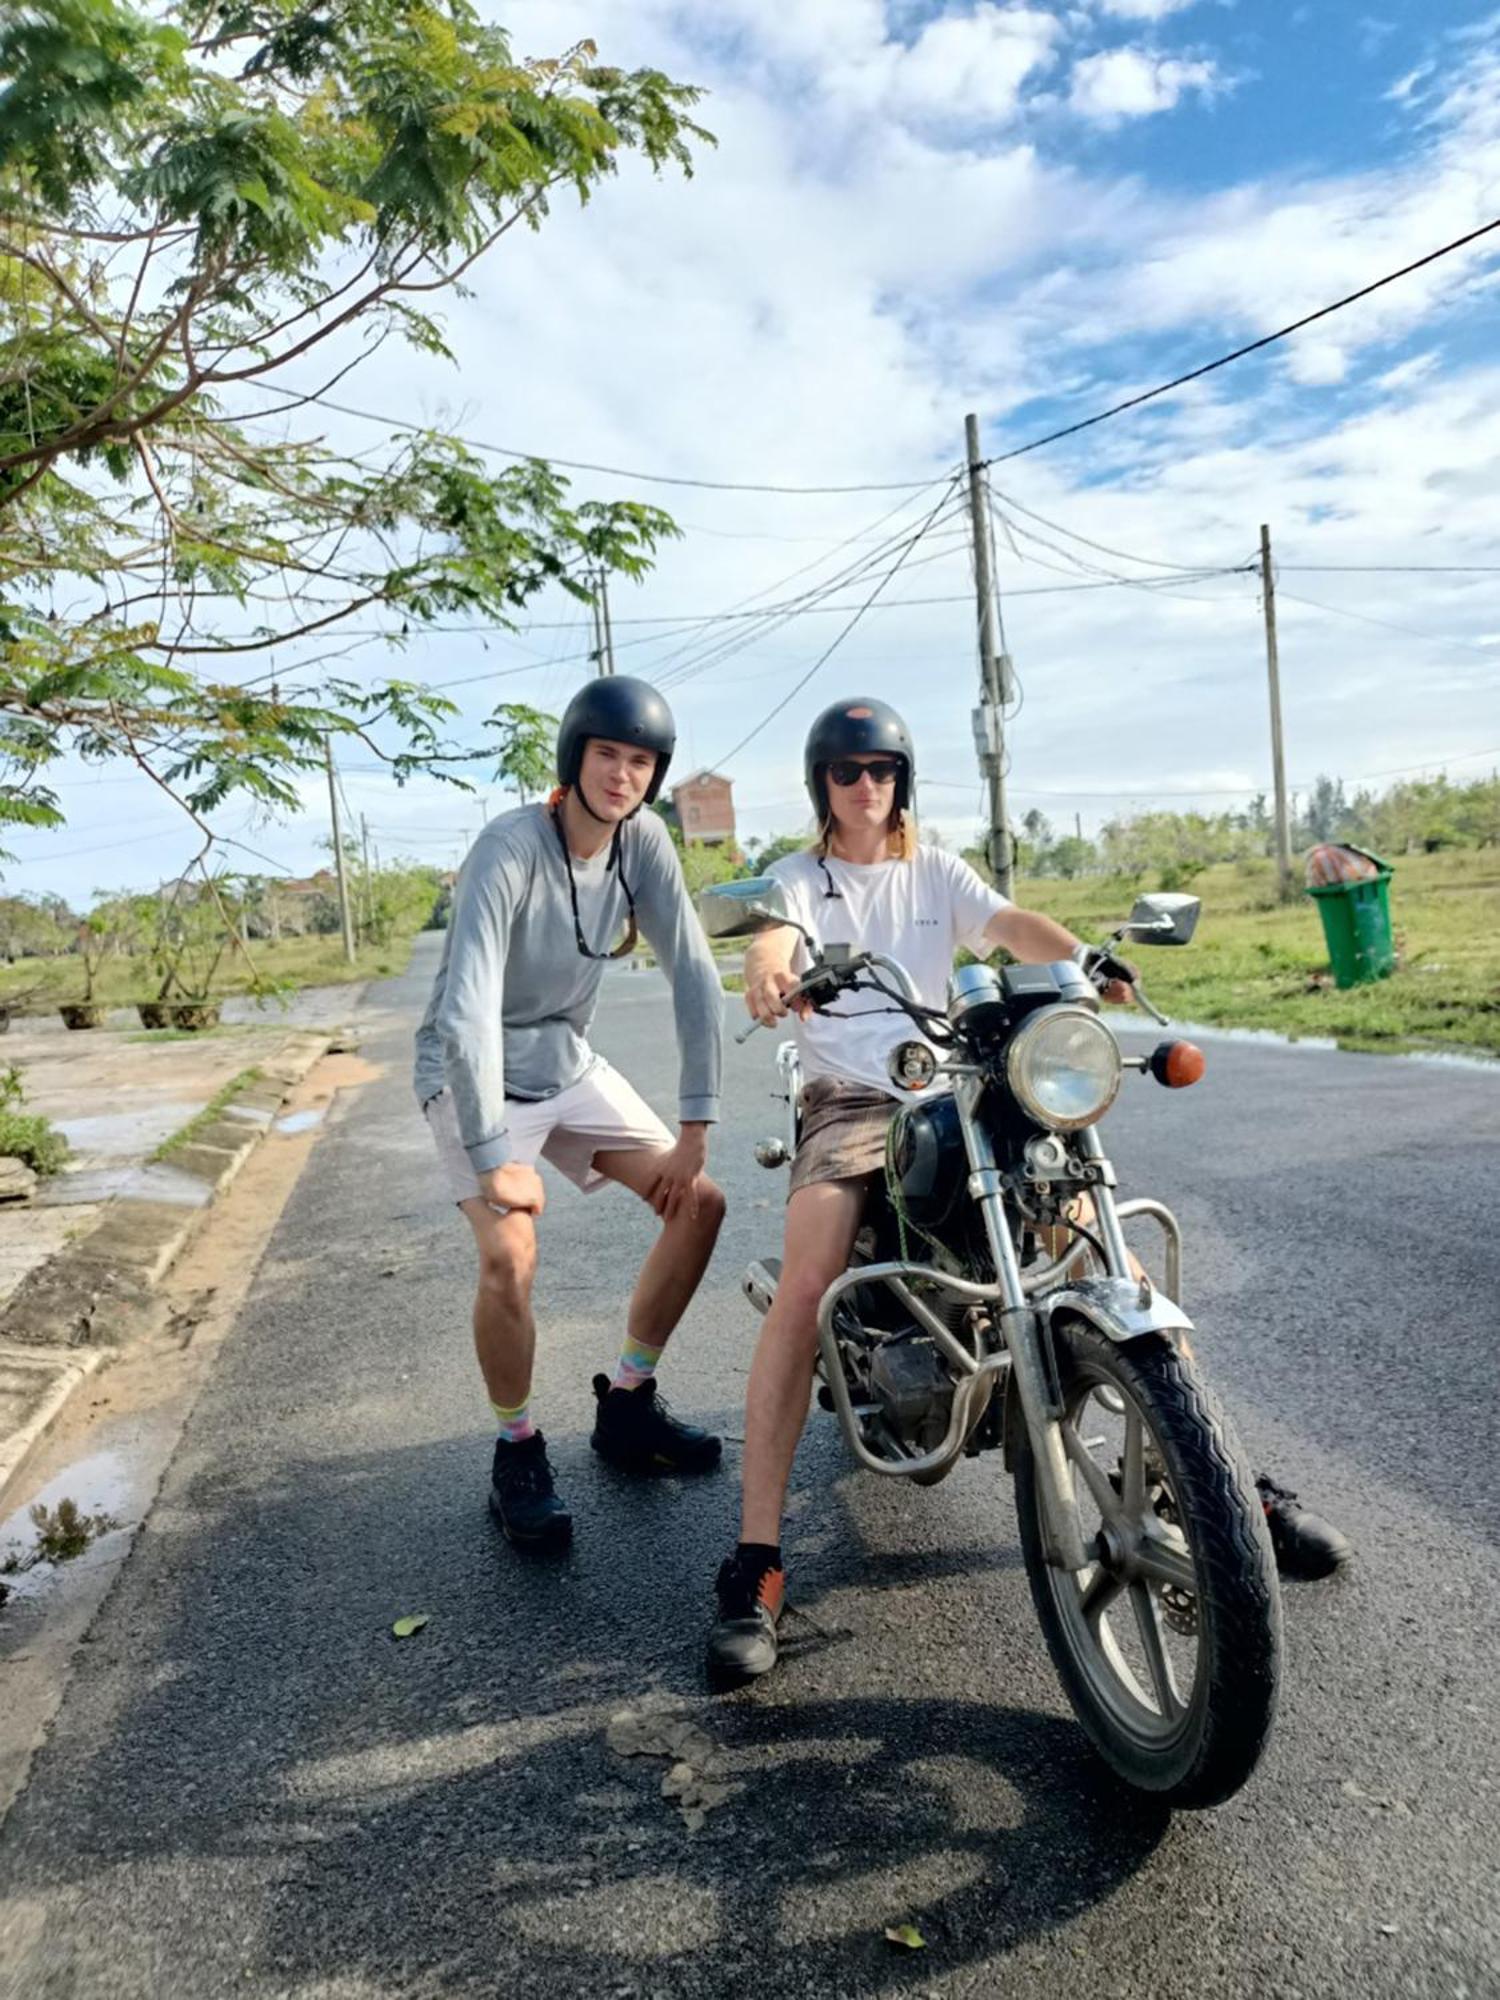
(759, 1283)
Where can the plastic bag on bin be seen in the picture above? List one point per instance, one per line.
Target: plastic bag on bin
(1334, 862)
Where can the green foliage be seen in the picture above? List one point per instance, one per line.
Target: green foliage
(194, 199)
(35, 926)
(526, 739)
(27, 1136)
(762, 853)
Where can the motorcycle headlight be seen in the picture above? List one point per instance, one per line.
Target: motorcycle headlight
(1063, 1068)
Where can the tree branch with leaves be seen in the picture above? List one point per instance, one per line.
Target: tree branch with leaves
(207, 216)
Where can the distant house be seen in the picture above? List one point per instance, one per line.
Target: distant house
(703, 809)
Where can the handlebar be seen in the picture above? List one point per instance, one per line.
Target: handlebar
(826, 981)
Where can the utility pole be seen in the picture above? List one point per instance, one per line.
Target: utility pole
(338, 852)
(609, 637)
(604, 640)
(994, 669)
(1278, 757)
(369, 896)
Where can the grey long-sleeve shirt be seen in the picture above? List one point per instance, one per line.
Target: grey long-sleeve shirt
(513, 998)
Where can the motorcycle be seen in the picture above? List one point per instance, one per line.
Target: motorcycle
(992, 1306)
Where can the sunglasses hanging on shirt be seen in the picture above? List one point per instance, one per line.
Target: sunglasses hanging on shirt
(628, 943)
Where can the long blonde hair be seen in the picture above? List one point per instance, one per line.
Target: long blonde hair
(900, 840)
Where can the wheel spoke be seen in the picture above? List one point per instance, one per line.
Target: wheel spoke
(1133, 1479)
(1098, 1594)
(1162, 1559)
(1149, 1626)
(1094, 1476)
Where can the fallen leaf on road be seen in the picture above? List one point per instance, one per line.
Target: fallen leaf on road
(405, 1627)
(907, 1936)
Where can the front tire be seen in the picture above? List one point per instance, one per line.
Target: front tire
(1168, 1644)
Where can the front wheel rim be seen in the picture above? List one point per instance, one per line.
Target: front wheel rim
(1132, 1619)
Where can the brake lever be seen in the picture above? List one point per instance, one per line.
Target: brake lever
(1161, 1019)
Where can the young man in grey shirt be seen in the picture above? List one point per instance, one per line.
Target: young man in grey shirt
(505, 1074)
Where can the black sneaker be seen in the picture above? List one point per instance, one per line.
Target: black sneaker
(1306, 1545)
(743, 1644)
(522, 1498)
(635, 1430)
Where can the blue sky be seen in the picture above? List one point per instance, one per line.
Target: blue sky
(1027, 211)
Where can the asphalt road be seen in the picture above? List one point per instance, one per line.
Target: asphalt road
(252, 1789)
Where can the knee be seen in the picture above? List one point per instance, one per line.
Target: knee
(712, 1207)
(800, 1293)
(506, 1272)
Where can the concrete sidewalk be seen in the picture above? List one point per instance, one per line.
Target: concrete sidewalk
(80, 1262)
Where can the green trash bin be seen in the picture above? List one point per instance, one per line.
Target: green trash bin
(1356, 914)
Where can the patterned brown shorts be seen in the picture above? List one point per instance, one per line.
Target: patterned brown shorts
(843, 1132)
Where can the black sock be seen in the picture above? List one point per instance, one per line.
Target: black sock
(760, 1555)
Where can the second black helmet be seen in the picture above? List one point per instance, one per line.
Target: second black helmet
(621, 710)
(859, 727)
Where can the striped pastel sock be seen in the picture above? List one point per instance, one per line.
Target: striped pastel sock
(515, 1425)
(637, 1364)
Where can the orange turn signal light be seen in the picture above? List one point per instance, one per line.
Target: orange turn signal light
(1177, 1064)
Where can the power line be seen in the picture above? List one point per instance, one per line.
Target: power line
(1241, 791)
(830, 650)
(1389, 625)
(618, 471)
(1392, 569)
(1239, 353)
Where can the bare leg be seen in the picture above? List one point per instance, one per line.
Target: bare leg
(821, 1224)
(674, 1268)
(504, 1330)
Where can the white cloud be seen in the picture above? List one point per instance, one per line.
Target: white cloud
(968, 66)
(1135, 83)
(822, 303)
(1144, 10)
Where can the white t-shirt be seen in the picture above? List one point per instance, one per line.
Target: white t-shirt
(918, 912)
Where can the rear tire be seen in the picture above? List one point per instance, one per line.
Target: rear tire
(1185, 1485)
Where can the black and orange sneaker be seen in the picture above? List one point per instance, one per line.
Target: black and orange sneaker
(635, 1430)
(1305, 1544)
(751, 1590)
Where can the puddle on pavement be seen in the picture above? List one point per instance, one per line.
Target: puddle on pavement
(302, 1121)
(128, 1133)
(98, 1484)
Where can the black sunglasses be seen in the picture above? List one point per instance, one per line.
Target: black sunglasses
(884, 770)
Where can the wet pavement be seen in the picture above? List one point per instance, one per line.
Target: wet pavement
(254, 1789)
(117, 1093)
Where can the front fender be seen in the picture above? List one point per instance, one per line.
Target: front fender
(1121, 1308)
(1116, 1308)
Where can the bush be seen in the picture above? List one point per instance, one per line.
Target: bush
(27, 1136)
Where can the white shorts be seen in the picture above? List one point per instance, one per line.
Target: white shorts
(601, 1113)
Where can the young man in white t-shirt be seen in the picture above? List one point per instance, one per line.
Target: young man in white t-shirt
(867, 881)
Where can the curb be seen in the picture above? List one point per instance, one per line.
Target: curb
(100, 1292)
(52, 1381)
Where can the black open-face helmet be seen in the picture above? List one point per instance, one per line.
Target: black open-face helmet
(621, 710)
(861, 727)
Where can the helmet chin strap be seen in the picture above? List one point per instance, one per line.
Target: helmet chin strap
(583, 799)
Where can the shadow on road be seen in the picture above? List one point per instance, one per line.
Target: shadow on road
(450, 1805)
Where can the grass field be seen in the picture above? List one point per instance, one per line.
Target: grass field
(1255, 963)
(306, 961)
